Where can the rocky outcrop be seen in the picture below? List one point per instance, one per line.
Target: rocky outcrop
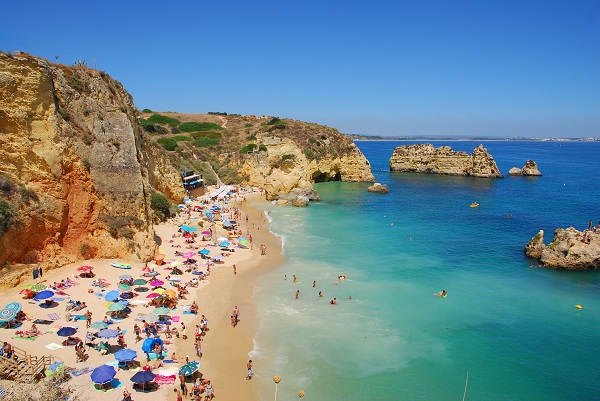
(300, 201)
(379, 188)
(284, 167)
(80, 168)
(425, 158)
(570, 249)
(529, 169)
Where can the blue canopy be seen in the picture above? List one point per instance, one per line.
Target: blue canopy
(66, 331)
(43, 295)
(103, 374)
(143, 376)
(149, 343)
(108, 333)
(112, 295)
(125, 355)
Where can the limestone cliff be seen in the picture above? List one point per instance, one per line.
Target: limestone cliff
(425, 158)
(570, 249)
(76, 170)
(285, 167)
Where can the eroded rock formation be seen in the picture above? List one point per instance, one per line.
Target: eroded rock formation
(529, 169)
(379, 188)
(570, 249)
(77, 168)
(424, 158)
(284, 168)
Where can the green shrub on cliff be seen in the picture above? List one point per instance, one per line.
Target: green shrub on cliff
(8, 216)
(248, 148)
(205, 142)
(195, 126)
(181, 138)
(167, 143)
(161, 206)
(160, 119)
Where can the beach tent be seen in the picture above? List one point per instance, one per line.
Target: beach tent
(150, 343)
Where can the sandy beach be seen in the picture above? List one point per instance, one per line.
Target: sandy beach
(225, 349)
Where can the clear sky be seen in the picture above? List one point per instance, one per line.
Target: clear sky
(449, 67)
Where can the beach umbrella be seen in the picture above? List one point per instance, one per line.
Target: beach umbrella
(43, 295)
(66, 331)
(103, 374)
(124, 287)
(112, 295)
(10, 311)
(125, 355)
(204, 252)
(175, 279)
(188, 255)
(170, 293)
(224, 243)
(189, 368)
(146, 269)
(99, 325)
(175, 263)
(116, 306)
(159, 291)
(161, 311)
(150, 317)
(26, 291)
(192, 229)
(108, 333)
(184, 227)
(152, 295)
(206, 233)
(125, 276)
(139, 281)
(84, 268)
(156, 283)
(221, 239)
(143, 376)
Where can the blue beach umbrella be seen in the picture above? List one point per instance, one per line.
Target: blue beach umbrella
(204, 252)
(108, 333)
(10, 311)
(143, 376)
(125, 355)
(189, 368)
(43, 295)
(103, 374)
(125, 276)
(66, 331)
(112, 295)
(225, 243)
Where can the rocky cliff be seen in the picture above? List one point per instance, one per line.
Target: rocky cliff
(425, 158)
(570, 249)
(284, 167)
(76, 170)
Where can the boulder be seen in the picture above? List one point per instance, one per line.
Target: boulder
(379, 188)
(281, 202)
(515, 171)
(300, 201)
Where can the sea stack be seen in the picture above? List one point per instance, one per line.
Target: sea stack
(570, 249)
(424, 158)
(529, 169)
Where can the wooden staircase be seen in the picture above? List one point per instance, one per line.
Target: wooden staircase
(24, 367)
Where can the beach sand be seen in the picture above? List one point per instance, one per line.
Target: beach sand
(225, 349)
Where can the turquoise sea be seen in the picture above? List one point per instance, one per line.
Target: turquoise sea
(513, 328)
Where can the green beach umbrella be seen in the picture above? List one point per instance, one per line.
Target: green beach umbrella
(161, 311)
(99, 325)
(116, 306)
(124, 287)
(139, 281)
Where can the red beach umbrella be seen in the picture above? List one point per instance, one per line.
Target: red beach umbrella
(84, 268)
(147, 269)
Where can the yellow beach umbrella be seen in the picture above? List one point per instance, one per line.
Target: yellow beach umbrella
(170, 293)
(158, 290)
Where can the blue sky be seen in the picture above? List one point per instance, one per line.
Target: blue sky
(494, 68)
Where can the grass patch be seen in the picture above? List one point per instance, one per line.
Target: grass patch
(181, 138)
(210, 134)
(205, 142)
(248, 148)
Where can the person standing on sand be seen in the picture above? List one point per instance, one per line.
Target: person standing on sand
(249, 367)
(88, 318)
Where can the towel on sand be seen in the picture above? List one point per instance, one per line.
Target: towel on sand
(53, 346)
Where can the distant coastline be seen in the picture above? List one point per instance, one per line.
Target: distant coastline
(356, 137)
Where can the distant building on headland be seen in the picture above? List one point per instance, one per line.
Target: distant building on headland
(192, 183)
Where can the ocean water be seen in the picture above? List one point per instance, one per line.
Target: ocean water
(513, 328)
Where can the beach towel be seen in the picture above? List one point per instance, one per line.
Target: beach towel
(175, 319)
(153, 355)
(53, 346)
(169, 361)
(159, 379)
(187, 312)
(82, 371)
(53, 316)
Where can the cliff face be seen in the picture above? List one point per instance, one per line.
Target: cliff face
(443, 160)
(570, 249)
(77, 169)
(284, 167)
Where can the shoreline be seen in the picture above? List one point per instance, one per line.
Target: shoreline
(225, 349)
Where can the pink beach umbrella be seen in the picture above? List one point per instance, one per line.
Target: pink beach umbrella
(156, 283)
(188, 255)
(153, 295)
